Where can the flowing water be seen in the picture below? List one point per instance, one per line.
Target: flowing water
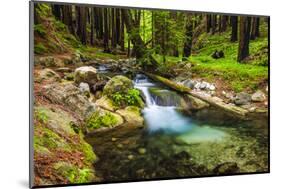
(174, 144)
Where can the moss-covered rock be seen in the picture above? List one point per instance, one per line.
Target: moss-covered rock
(72, 173)
(61, 148)
(116, 84)
(195, 103)
(101, 119)
(106, 103)
(132, 115)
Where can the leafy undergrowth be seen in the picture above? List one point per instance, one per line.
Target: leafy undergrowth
(61, 156)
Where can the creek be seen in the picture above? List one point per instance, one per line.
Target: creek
(174, 143)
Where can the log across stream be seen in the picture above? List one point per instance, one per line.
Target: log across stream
(175, 144)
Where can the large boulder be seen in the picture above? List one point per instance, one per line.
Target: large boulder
(47, 75)
(86, 74)
(258, 96)
(132, 115)
(103, 119)
(119, 84)
(242, 98)
(70, 96)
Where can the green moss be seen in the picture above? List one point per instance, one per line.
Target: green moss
(49, 139)
(131, 98)
(99, 119)
(73, 174)
(39, 48)
(41, 115)
(90, 156)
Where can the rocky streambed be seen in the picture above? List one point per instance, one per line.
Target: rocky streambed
(140, 129)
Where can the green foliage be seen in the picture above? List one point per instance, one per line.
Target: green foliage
(40, 30)
(39, 48)
(131, 98)
(98, 120)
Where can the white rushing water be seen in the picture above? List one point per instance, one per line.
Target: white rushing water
(169, 120)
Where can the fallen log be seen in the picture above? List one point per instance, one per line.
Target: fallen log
(230, 108)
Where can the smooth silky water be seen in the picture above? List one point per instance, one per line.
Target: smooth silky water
(174, 144)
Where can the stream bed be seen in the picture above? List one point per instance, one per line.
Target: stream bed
(175, 144)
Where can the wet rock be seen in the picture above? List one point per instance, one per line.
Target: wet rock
(142, 151)
(86, 74)
(212, 87)
(130, 157)
(189, 83)
(226, 168)
(118, 84)
(132, 115)
(242, 98)
(119, 145)
(84, 88)
(195, 103)
(47, 75)
(258, 96)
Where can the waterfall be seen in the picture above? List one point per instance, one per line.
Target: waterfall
(142, 83)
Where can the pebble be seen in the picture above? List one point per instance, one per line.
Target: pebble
(142, 150)
(119, 145)
(113, 139)
(130, 157)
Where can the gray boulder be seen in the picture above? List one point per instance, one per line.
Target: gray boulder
(242, 98)
(189, 83)
(68, 95)
(86, 74)
(258, 96)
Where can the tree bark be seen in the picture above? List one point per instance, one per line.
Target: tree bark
(188, 36)
(82, 18)
(106, 31)
(244, 38)
(67, 18)
(234, 28)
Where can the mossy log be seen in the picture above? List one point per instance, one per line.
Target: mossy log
(232, 109)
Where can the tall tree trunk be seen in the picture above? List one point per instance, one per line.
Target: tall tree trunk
(209, 23)
(106, 31)
(113, 29)
(82, 22)
(67, 18)
(257, 30)
(244, 38)
(118, 26)
(253, 28)
(56, 9)
(92, 25)
(214, 23)
(122, 34)
(234, 28)
(223, 23)
(188, 36)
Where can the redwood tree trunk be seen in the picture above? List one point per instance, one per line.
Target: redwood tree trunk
(244, 38)
(234, 28)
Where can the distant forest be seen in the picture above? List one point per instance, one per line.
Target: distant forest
(142, 33)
